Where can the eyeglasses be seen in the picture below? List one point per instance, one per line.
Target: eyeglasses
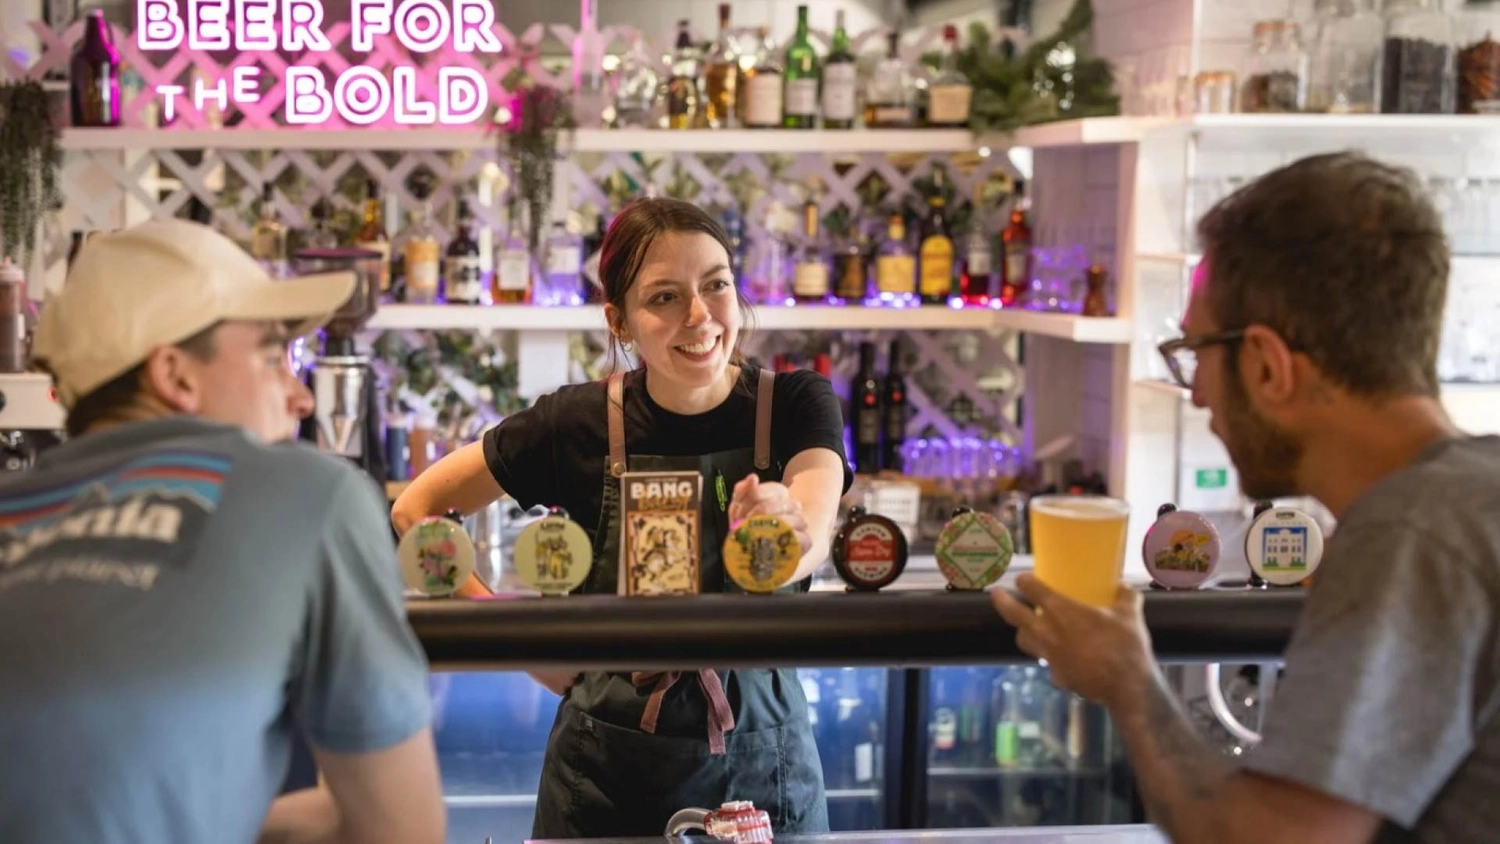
(1181, 355)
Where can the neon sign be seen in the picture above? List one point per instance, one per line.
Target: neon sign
(359, 95)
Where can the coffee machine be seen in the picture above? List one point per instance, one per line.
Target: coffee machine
(31, 420)
(346, 404)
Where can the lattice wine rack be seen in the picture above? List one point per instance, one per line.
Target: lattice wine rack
(962, 383)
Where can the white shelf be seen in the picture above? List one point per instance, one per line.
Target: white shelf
(1250, 127)
(1090, 130)
(1179, 258)
(583, 140)
(767, 318)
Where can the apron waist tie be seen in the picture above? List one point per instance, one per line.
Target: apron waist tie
(720, 717)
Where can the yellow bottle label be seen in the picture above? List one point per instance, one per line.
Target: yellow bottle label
(423, 263)
(896, 274)
(937, 266)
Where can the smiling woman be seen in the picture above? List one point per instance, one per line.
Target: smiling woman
(693, 404)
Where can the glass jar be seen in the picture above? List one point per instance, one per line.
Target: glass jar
(1276, 75)
(1479, 59)
(1417, 74)
(1344, 58)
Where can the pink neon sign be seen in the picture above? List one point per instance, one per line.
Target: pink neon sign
(358, 95)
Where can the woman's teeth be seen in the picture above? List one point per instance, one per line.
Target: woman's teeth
(700, 348)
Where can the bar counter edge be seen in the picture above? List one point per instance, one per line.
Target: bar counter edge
(905, 629)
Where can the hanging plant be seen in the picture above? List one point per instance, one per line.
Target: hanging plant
(28, 166)
(539, 114)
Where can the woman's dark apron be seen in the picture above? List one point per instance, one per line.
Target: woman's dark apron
(694, 740)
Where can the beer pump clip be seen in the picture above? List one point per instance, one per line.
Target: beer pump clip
(1181, 550)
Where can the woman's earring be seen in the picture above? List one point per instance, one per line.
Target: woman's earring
(626, 346)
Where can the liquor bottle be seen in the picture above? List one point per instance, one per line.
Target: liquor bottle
(944, 722)
(1015, 245)
(772, 270)
(895, 267)
(636, 87)
(973, 744)
(462, 270)
(801, 76)
(734, 228)
(512, 282)
(1031, 701)
(1005, 715)
(321, 236)
(935, 255)
(95, 71)
(371, 234)
(888, 95)
(977, 270)
(850, 270)
(564, 273)
(682, 85)
(894, 410)
(721, 79)
(421, 253)
(949, 93)
(58, 15)
(762, 86)
(268, 237)
(1094, 302)
(840, 79)
(590, 80)
(810, 278)
(593, 287)
(865, 396)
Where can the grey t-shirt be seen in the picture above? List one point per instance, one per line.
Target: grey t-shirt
(175, 599)
(1392, 679)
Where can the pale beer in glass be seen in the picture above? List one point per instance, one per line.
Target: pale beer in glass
(1078, 545)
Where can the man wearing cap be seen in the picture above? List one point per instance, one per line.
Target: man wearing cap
(181, 588)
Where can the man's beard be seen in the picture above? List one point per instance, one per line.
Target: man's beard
(1265, 455)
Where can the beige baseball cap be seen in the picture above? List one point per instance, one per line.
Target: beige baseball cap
(135, 290)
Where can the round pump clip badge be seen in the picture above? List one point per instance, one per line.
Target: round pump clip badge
(436, 556)
(553, 555)
(1284, 546)
(1181, 550)
(761, 554)
(870, 552)
(974, 550)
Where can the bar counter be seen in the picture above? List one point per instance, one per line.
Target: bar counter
(823, 628)
(1133, 834)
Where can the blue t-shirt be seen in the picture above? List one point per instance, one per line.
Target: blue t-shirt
(175, 599)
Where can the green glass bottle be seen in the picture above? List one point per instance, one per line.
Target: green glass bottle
(801, 75)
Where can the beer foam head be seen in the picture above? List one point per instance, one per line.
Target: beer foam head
(1080, 507)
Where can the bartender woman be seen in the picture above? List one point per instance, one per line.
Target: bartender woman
(616, 766)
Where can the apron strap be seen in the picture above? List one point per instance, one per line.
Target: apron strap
(720, 716)
(766, 389)
(615, 407)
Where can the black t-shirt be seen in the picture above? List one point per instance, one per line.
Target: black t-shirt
(555, 452)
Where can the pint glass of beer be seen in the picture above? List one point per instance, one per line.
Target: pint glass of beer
(1078, 545)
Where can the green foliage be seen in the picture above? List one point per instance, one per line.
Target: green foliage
(1050, 80)
(539, 114)
(420, 362)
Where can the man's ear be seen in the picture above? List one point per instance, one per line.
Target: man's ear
(173, 377)
(1267, 366)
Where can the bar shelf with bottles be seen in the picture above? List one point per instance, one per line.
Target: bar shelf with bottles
(840, 270)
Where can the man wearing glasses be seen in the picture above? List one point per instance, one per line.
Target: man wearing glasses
(1311, 336)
